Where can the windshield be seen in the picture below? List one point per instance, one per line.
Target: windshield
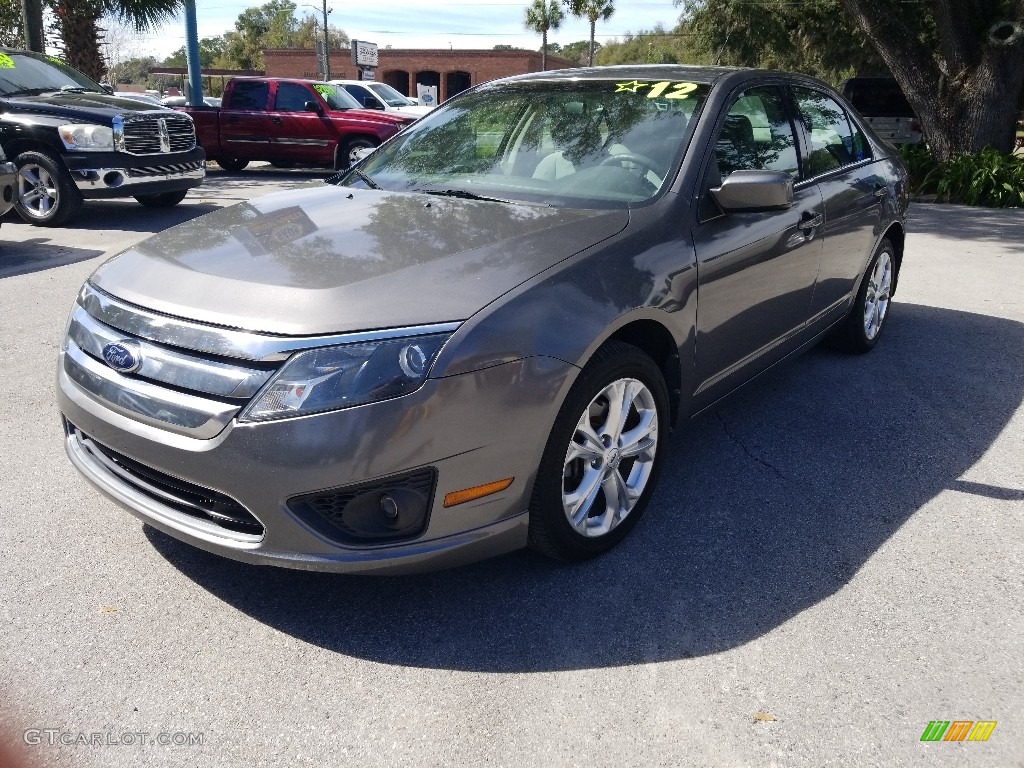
(26, 74)
(573, 143)
(389, 95)
(336, 98)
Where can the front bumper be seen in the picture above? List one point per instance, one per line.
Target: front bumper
(110, 174)
(470, 429)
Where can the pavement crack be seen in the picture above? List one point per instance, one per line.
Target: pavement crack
(742, 446)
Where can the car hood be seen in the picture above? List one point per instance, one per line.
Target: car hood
(79, 106)
(329, 259)
(413, 110)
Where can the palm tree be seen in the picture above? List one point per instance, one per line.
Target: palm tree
(592, 10)
(540, 17)
(79, 29)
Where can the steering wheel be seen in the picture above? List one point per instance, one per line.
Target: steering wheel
(624, 158)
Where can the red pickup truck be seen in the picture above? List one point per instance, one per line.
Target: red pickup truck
(289, 122)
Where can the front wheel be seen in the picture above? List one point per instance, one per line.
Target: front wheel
(163, 200)
(46, 196)
(861, 329)
(351, 152)
(232, 163)
(603, 456)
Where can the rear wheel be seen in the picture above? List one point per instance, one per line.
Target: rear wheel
(45, 195)
(232, 163)
(163, 200)
(603, 456)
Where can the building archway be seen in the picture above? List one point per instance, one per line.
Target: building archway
(456, 82)
(399, 80)
(429, 77)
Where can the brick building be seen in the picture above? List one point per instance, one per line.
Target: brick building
(452, 71)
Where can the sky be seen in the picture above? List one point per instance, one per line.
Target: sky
(423, 24)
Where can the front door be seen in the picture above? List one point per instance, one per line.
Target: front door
(244, 122)
(755, 270)
(300, 135)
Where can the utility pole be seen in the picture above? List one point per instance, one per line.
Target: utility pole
(195, 77)
(327, 45)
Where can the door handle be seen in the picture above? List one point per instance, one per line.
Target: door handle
(810, 221)
(275, 120)
(881, 191)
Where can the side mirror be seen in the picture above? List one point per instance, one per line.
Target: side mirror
(312, 106)
(755, 191)
(107, 87)
(371, 103)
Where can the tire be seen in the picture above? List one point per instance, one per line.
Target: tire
(572, 515)
(163, 200)
(45, 195)
(231, 163)
(862, 328)
(344, 156)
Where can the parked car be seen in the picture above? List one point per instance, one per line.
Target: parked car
(180, 101)
(373, 95)
(144, 97)
(481, 336)
(287, 122)
(72, 140)
(881, 103)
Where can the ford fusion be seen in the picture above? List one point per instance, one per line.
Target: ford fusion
(480, 337)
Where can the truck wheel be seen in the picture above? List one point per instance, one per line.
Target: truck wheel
(232, 163)
(46, 195)
(346, 154)
(163, 200)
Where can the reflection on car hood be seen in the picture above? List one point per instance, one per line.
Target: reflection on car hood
(329, 259)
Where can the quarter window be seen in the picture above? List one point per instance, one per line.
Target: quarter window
(833, 142)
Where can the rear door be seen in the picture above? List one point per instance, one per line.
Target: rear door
(838, 160)
(300, 135)
(244, 122)
(756, 270)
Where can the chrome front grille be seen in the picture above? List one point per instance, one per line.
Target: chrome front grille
(158, 133)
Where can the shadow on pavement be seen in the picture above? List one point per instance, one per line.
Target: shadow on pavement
(1002, 225)
(768, 505)
(37, 254)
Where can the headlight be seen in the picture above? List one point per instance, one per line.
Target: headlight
(81, 136)
(330, 378)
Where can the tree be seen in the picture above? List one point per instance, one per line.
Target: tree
(815, 37)
(967, 88)
(592, 11)
(11, 34)
(540, 17)
(579, 52)
(210, 48)
(77, 25)
(656, 46)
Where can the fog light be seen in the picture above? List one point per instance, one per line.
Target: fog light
(389, 507)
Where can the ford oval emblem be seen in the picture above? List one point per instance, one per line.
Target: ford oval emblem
(124, 356)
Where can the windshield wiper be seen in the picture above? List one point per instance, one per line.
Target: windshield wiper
(463, 194)
(364, 178)
(77, 89)
(28, 92)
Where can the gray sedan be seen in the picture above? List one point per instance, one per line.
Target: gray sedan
(482, 335)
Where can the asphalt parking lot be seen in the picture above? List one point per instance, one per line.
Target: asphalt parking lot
(833, 560)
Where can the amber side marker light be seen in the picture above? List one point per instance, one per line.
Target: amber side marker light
(476, 492)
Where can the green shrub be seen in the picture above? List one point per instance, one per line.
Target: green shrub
(987, 178)
(920, 163)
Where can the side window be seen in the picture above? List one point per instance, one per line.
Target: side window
(757, 135)
(292, 97)
(832, 140)
(249, 95)
(357, 92)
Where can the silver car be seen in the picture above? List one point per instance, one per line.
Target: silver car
(481, 336)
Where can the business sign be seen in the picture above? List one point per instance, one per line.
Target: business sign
(364, 54)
